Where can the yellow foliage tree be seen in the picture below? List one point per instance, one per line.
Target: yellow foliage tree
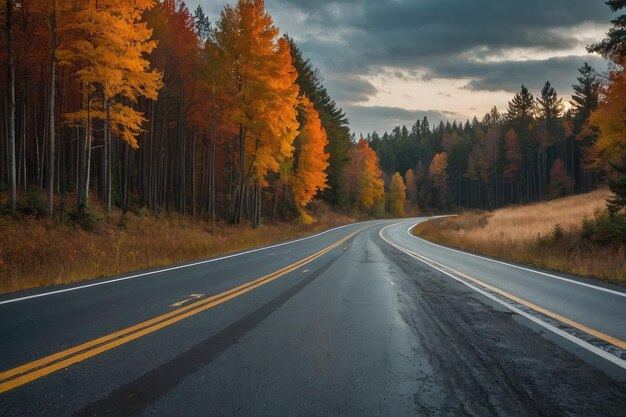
(258, 76)
(364, 173)
(439, 176)
(396, 196)
(309, 160)
(410, 179)
(105, 42)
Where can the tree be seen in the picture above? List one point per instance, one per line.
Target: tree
(410, 179)
(396, 196)
(614, 45)
(309, 160)
(334, 122)
(550, 105)
(366, 184)
(203, 25)
(560, 184)
(513, 153)
(261, 80)
(106, 43)
(584, 101)
(11, 106)
(439, 176)
(609, 117)
(585, 97)
(52, 113)
(521, 108)
(611, 144)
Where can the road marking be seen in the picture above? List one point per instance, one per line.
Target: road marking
(306, 270)
(173, 268)
(31, 371)
(193, 297)
(450, 272)
(571, 281)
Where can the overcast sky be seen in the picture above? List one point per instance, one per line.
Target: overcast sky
(389, 62)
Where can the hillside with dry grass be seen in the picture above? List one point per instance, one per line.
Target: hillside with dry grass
(41, 252)
(554, 235)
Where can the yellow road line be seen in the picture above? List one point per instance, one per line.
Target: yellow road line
(31, 371)
(600, 335)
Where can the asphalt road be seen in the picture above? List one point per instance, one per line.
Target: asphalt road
(364, 320)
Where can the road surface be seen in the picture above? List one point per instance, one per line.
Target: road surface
(364, 320)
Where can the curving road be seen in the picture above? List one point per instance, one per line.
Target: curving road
(357, 321)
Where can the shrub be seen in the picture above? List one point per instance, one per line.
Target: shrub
(557, 232)
(34, 205)
(87, 219)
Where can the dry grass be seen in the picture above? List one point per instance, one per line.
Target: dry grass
(44, 252)
(529, 234)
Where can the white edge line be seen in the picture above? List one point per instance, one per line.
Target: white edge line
(591, 348)
(158, 271)
(571, 281)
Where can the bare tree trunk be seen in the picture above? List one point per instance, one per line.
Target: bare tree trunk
(11, 107)
(212, 163)
(107, 158)
(24, 170)
(151, 179)
(236, 218)
(193, 175)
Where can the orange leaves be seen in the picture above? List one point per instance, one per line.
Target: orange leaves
(310, 160)
(256, 74)
(610, 118)
(438, 165)
(364, 174)
(105, 43)
(439, 175)
(396, 196)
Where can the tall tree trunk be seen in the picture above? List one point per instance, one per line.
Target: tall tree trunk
(236, 219)
(81, 174)
(11, 107)
(24, 169)
(212, 163)
(107, 158)
(193, 174)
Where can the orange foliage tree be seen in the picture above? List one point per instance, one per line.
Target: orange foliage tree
(396, 196)
(309, 159)
(439, 176)
(256, 72)
(105, 43)
(364, 173)
(611, 144)
(411, 188)
(560, 184)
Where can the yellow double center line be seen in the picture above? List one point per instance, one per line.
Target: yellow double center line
(600, 335)
(31, 371)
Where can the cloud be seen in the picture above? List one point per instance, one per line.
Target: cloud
(510, 75)
(349, 88)
(489, 45)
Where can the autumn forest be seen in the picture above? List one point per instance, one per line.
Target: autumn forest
(146, 105)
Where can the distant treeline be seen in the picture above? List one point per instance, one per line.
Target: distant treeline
(532, 151)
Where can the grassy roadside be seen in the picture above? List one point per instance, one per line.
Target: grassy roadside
(548, 235)
(41, 252)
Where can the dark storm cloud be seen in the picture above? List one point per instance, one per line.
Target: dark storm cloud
(510, 75)
(407, 33)
(349, 88)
